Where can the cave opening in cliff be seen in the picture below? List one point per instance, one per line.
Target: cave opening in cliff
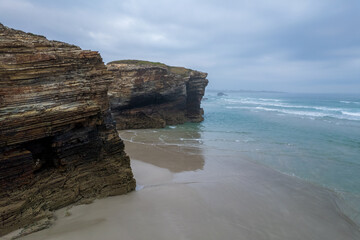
(42, 153)
(192, 107)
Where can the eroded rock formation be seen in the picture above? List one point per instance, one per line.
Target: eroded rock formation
(152, 95)
(58, 142)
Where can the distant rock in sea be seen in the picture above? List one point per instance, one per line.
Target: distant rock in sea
(152, 95)
(220, 94)
(58, 142)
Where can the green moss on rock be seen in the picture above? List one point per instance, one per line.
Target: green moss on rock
(176, 70)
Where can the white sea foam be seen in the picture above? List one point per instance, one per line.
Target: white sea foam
(236, 107)
(350, 102)
(294, 112)
(305, 113)
(270, 99)
(345, 115)
(355, 114)
(280, 103)
(282, 107)
(327, 108)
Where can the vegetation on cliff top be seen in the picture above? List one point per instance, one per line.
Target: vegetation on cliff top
(176, 70)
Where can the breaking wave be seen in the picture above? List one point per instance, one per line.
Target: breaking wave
(340, 111)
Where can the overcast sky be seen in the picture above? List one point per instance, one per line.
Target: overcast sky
(280, 45)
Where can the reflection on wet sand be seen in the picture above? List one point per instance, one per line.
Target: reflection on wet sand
(237, 197)
(230, 198)
(176, 156)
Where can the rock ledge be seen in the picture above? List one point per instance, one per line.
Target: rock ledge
(152, 95)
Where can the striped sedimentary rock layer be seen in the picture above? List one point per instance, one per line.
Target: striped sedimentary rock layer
(152, 95)
(58, 142)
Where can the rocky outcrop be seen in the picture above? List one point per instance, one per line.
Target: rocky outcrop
(58, 142)
(152, 95)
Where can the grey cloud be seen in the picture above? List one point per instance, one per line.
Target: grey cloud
(298, 45)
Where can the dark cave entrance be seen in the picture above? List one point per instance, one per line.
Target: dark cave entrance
(192, 102)
(42, 153)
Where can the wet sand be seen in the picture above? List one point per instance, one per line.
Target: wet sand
(186, 193)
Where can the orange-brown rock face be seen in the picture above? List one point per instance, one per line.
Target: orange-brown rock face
(58, 142)
(152, 95)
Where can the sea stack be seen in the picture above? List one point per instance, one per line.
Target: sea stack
(58, 141)
(152, 95)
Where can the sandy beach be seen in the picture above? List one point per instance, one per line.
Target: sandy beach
(187, 193)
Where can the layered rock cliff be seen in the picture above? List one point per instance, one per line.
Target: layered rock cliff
(58, 142)
(152, 95)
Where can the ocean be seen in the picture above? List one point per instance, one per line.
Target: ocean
(312, 137)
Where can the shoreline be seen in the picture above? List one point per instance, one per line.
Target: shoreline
(184, 193)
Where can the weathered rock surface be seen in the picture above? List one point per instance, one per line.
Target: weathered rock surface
(58, 142)
(152, 95)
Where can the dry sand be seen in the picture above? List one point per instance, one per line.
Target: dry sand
(184, 193)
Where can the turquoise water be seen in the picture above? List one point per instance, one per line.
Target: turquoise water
(309, 136)
(313, 137)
